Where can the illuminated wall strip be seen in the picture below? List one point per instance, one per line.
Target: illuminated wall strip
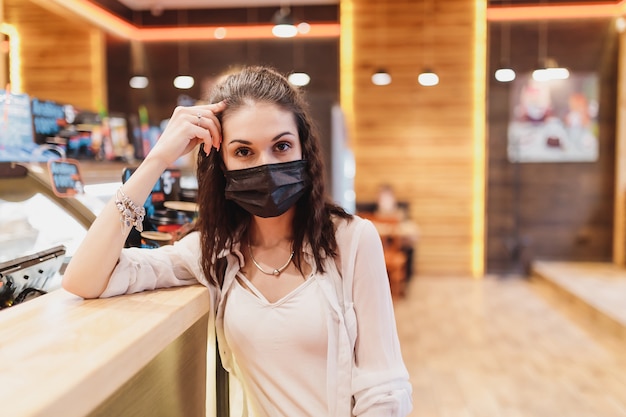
(346, 63)
(579, 11)
(479, 139)
(15, 70)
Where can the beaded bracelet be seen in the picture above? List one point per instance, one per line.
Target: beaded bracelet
(130, 213)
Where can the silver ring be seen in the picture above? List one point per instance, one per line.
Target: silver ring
(199, 118)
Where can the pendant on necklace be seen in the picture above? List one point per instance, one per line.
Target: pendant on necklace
(277, 271)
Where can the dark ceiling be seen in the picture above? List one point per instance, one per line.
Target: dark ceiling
(191, 17)
(313, 13)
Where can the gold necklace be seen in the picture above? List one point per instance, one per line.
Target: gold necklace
(275, 272)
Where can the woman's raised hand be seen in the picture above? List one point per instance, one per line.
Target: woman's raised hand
(188, 127)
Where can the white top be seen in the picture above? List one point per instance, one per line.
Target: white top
(260, 333)
(365, 373)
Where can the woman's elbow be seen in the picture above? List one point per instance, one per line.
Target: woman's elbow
(80, 285)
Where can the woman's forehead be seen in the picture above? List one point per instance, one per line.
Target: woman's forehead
(257, 116)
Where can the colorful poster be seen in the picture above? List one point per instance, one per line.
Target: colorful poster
(65, 177)
(48, 119)
(554, 120)
(16, 127)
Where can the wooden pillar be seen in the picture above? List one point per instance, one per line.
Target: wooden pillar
(427, 142)
(4, 76)
(62, 58)
(619, 223)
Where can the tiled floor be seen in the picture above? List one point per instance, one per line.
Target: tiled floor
(505, 348)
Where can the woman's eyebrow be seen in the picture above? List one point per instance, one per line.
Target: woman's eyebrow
(247, 142)
(243, 141)
(280, 135)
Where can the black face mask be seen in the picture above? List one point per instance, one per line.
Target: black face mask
(267, 190)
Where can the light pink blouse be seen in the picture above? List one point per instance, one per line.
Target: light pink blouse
(280, 348)
(365, 373)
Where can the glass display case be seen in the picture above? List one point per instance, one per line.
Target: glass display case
(34, 224)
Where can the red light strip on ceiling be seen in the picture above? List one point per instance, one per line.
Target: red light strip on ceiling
(117, 26)
(94, 14)
(208, 33)
(560, 12)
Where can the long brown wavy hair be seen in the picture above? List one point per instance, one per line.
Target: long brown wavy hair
(222, 222)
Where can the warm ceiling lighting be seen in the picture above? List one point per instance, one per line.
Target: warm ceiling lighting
(120, 27)
(505, 75)
(381, 77)
(549, 69)
(138, 82)
(428, 78)
(303, 28)
(184, 82)
(113, 24)
(553, 12)
(283, 23)
(220, 33)
(299, 79)
(549, 74)
(284, 31)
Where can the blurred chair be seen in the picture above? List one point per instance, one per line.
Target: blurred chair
(393, 246)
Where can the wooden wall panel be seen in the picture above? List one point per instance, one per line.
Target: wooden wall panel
(619, 225)
(418, 139)
(555, 211)
(62, 58)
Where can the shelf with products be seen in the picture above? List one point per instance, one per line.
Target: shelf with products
(35, 218)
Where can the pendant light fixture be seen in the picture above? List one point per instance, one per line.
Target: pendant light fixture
(183, 80)
(428, 77)
(138, 79)
(505, 73)
(381, 76)
(283, 23)
(548, 68)
(299, 77)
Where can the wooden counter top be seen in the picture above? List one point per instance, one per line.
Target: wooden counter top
(61, 355)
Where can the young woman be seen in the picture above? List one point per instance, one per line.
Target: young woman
(302, 306)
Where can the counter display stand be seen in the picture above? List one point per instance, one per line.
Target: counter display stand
(138, 355)
(146, 354)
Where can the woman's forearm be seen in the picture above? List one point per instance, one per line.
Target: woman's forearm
(89, 271)
(90, 268)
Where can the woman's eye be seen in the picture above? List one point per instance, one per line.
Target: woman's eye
(242, 152)
(283, 146)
